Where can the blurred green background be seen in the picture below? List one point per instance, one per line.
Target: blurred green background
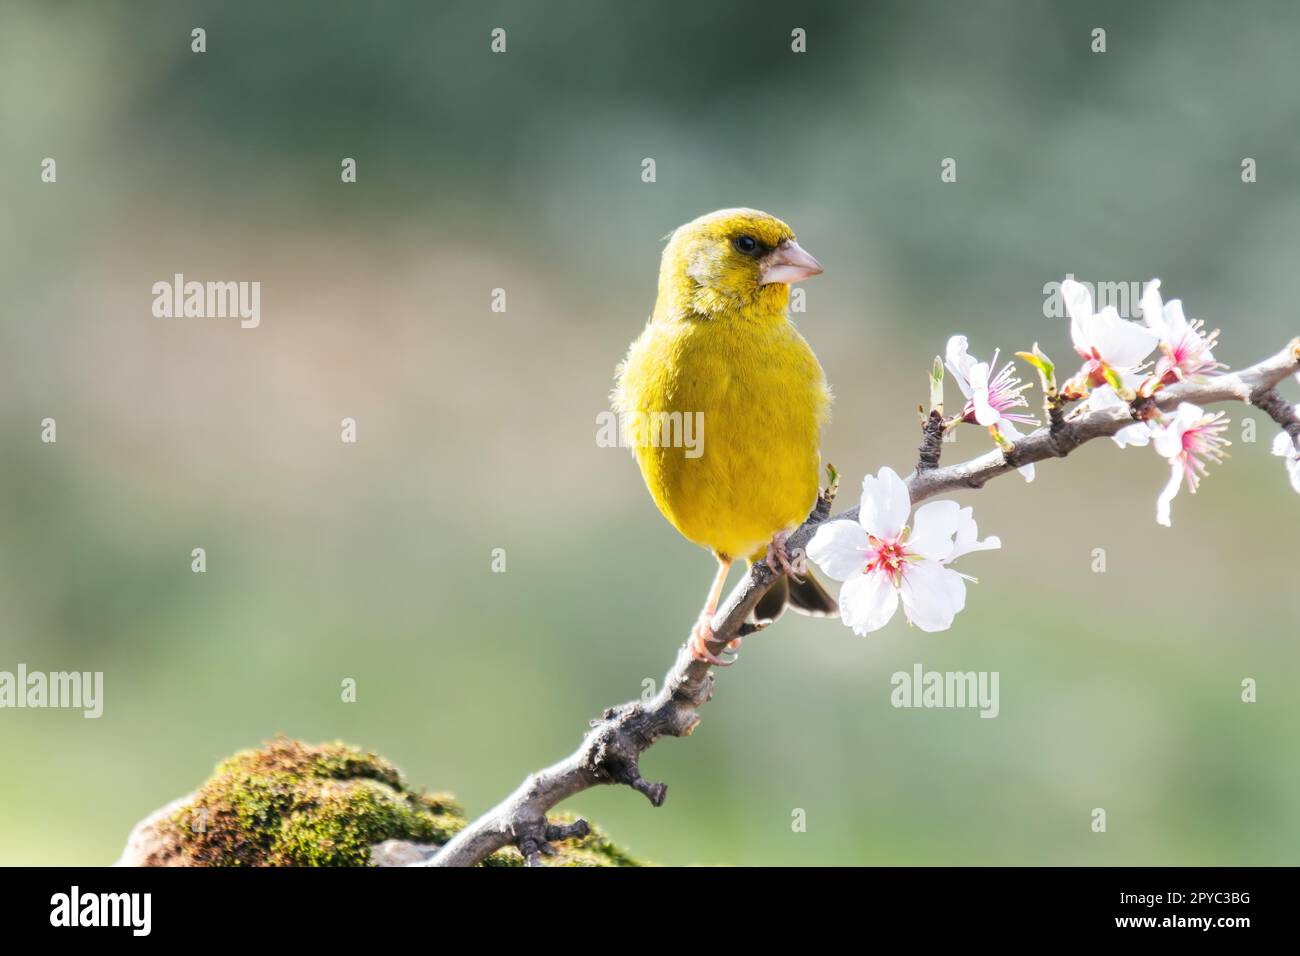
(477, 430)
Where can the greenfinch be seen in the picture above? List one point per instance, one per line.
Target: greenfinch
(720, 349)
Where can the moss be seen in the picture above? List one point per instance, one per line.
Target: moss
(295, 804)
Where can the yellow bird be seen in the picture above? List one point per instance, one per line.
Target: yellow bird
(722, 402)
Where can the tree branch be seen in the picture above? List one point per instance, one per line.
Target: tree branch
(611, 751)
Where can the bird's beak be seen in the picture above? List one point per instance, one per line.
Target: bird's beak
(787, 263)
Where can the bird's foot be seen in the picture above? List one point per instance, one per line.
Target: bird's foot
(702, 633)
(779, 559)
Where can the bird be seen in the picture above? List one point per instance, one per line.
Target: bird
(719, 349)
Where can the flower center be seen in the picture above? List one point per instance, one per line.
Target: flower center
(887, 557)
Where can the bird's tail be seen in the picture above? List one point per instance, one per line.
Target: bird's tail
(806, 597)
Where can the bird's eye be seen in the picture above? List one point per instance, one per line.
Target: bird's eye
(747, 244)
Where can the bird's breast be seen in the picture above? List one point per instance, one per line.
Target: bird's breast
(751, 397)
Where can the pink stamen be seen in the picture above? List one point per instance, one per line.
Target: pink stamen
(1190, 355)
(887, 557)
(1004, 394)
(1203, 442)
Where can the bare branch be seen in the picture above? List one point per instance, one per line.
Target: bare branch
(610, 753)
(1280, 410)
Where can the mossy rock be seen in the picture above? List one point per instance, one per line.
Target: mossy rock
(295, 804)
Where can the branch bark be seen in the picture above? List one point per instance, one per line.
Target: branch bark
(611, 751)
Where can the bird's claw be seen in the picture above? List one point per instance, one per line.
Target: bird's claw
(699, 648)
(793, 563)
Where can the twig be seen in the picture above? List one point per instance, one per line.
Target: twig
(611, 750)
(1280, 410)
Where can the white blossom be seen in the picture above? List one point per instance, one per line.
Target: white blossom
(883, 560)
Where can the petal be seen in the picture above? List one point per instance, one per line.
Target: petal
(959, 363)
(1078, 300)
(1168, 441)
(1008, 428)
(867, 602)
(1286, 448)
(1152, 307)
(932, 595)
(1129, 379)
(1078, 305)
(885, 504)
(839, 549)
(1121, 343)
(1103, 396)
(1169, 437)
(1137, 435)
(985, 413)
(955, 352)
(967, 539)
(1027, 472)
(932, 529)
(1167, 496)
(1175, 322)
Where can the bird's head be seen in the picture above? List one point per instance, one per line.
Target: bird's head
(732, 261)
